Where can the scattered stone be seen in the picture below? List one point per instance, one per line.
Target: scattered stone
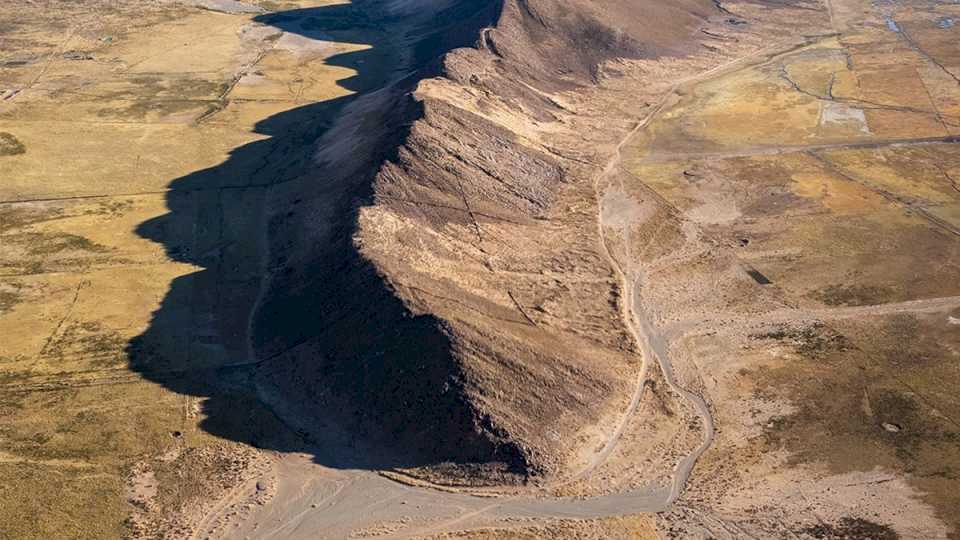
(228, 6)
(758, 277)
(77, 55)
(892, 428)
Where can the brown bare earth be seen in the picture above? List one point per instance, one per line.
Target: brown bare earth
(479, 269)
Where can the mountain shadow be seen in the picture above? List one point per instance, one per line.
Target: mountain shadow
(295, 344)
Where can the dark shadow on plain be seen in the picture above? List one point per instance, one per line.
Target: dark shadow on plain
(348, 368)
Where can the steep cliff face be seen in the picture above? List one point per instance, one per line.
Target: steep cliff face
(440, 292)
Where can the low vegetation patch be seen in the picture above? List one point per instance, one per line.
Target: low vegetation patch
(852, 295)
(10, 145)
(812, 341)
(852, 529)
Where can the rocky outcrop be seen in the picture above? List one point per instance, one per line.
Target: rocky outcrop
(439, 293)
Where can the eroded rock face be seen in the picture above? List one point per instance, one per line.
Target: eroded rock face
(440, 292)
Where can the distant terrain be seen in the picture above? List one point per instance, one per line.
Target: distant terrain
(479, 269)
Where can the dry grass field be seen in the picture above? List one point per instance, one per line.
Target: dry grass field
(129, 156)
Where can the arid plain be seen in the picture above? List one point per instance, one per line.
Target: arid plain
(699, 277)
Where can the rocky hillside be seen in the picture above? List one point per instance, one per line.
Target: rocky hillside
(440, 296)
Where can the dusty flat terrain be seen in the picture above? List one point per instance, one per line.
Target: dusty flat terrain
(294, 270)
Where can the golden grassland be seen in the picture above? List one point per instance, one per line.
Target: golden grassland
(106, 105)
